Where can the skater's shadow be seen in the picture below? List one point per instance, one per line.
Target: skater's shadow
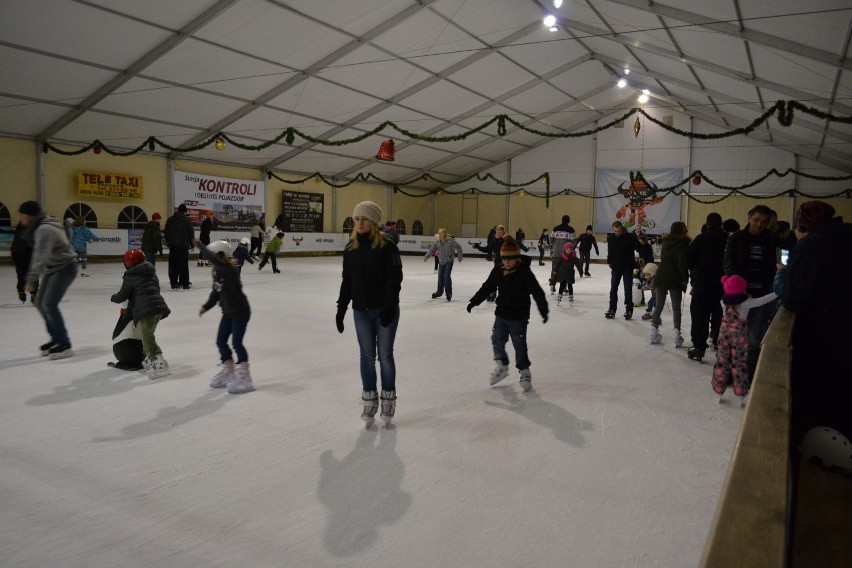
(171, 417)
(96, 385)
(565, 426)
(362, 491)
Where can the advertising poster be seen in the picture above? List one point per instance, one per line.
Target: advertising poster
(109, 186)
(637, 203)
(302, 212)
(234, 203)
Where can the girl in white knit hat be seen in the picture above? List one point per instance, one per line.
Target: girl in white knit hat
(372, 279)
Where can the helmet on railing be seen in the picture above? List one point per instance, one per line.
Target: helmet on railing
(831, 447)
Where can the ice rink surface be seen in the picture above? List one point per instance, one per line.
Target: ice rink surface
(616, 458)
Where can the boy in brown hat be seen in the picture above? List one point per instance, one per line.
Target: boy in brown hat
(515, 282)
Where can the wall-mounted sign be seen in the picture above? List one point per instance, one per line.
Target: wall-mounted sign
(109, 186)
(301, 212)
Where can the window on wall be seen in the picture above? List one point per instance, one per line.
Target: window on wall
(348, 225)
(400, 226)
(132, 217)
(84, 211)
(5, 216)
(417, 227)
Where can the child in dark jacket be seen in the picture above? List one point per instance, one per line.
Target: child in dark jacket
(236, 312)
(140, 288)
(516, 283)
(563, 265)
(242, 254)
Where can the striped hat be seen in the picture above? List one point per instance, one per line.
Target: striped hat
(510, 249)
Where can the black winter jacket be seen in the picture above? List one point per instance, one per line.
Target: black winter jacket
(140, 288)
(152, 238)
(705, 260)
(585, 242)
(753, 258)
(513, 300)
(621, 250)
(227, 288)
(372, 277)
(204, 234)
(21, 249)
(179, 232)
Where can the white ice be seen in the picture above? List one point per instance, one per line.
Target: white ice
(615, 459)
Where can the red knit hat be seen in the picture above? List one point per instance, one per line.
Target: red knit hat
(734, 285)
(510, 249)
(156, 217)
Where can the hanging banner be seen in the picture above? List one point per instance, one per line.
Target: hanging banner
(234, 203)
(637, 203)
(301, 212)
(109, 186)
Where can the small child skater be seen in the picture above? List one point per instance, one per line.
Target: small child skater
(81, 236)
(563, 266)
(271, 252)
(732, 350)
(140, 288)
(228, 293)
(242, 254)
(515, 282)
(649, 271)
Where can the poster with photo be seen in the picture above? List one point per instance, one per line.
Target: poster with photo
(636, 203)
(234, 203)
(302, 212)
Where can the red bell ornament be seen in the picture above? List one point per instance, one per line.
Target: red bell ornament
(386, 152)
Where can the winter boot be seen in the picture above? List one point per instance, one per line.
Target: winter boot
(224, 376)
(655, 337)
(558, 299)
(158, 367)
(370, 402)
(242, 379)
(388, 405)
(500, 372)
(526, 380)
(678, 340)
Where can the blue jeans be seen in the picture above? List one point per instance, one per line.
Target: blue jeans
(372, 336)
(501, 332)
(758, 323)
(445, 280)
(236, 330)
(151, 257)
(625, 275)
(50, 292)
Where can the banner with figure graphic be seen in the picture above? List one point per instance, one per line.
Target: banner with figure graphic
(637, 202)
(234, 203)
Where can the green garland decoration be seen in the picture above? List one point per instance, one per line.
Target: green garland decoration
(785, 111)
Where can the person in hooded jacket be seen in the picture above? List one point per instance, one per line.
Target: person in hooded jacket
(52, 270)
(671, 279)
(140, 288)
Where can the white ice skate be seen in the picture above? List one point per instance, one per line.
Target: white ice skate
(571, 300)
(158, 368)
(242, 379)
(655, 337)
(225, 375)
(388, 401)
(678, 340)
(499, 373)
(559, 299)
(370, 402)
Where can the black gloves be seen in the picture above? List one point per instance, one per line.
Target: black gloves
(387, 314)
(338, 319)
(470, 307)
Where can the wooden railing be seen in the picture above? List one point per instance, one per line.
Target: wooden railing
(752, 520)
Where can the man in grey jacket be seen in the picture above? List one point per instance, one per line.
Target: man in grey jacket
(54, 265)
(448, 249)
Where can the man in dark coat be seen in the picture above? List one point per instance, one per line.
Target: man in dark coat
(621, 247)
(204, 236)
(179, 236)
(152, 239)
(562, 233)
(704, 258)
(750, 253)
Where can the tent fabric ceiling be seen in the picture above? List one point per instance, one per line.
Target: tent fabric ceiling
(183, 71)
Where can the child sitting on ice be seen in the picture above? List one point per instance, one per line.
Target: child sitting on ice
(732, 351)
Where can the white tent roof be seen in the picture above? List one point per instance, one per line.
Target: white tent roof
(120, 71)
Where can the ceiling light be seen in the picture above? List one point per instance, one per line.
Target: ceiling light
(643, 98)
(622, 83)
(646, 92)
(557, 3)
(550, 21)
(626, 71)
(552, 29)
